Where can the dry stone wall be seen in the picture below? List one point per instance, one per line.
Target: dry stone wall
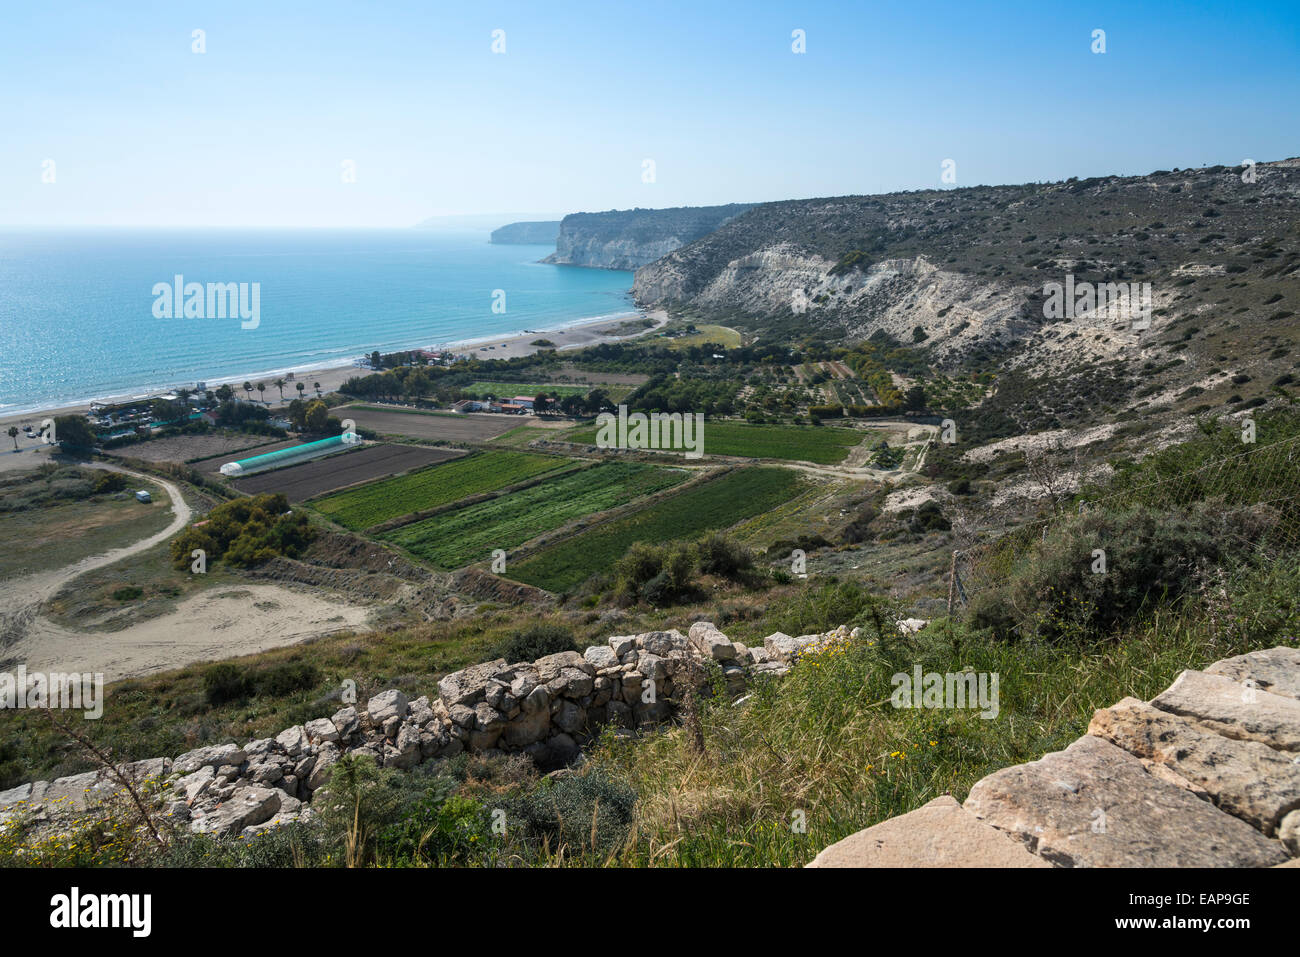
(547, 709)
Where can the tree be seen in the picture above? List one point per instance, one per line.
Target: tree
(280, 385)
(318, 414)
(298, 414)
(73, 431)
(316, 386)
(13, 434)
(300, 386)
(225, 393)
(248, 387)
(261, 392)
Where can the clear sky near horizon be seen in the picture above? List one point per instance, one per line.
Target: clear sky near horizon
(142, 131)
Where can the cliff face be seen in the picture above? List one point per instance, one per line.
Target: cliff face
(966, 271)
(626, 239)
(527, 234)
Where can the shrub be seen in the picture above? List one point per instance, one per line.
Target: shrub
(437, 828)
(285, 678)
(573, 814)
(537, 642)
(720, 555)
(1151, 557)
(246, 532)
(224, 683)
(127, 593)
(108, 482)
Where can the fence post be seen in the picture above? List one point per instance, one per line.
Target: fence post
(952, 581)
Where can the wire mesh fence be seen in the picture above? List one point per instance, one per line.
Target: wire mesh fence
(1261, 486)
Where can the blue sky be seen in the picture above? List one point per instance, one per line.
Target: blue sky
(254, 131)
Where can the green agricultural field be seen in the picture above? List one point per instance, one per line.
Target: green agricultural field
(442, 484)
(713, 505)
(820, 444)
(705, 334)
(456, 538)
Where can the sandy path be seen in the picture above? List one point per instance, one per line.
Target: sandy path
(218, 623)
(28, 594)
(215, 624)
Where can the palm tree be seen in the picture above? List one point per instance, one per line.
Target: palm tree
(301, 387)
(261, 392)
(316, 386)
(280, 383)
(13, 434)
(248, 387)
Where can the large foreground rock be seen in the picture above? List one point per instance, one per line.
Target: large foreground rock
(1275, 670)
(1093, 805)
(939, 834)
(1234, 709)
(1247, 779)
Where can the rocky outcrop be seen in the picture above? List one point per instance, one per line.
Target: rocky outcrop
(547, 709)
(628, 238)
(1204, 775)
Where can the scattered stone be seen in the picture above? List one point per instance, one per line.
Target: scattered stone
(387, 705)
(217, 755)
(601, 656)
(246, 806)
(294, 740)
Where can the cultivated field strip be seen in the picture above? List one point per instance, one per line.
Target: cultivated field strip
(821, 445)
(382, 501)
(463, 535)
(700, 508)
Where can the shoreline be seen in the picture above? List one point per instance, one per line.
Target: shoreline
(570, 335)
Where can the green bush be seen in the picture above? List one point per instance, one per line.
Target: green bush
(224, 683)
(720, 555)
(537, 642)
(285, 678)
(108, 482)
(576, 813)
(246, 532)
(1060, 587)
(439, 828)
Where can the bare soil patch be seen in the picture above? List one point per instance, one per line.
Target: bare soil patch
(301, 482)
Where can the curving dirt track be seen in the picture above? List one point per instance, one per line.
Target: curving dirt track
(26, 595)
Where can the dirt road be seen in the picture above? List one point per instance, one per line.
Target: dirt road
(26, 595)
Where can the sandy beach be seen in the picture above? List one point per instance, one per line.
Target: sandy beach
(574, 336)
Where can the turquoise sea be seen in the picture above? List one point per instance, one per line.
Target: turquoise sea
(77, 307)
